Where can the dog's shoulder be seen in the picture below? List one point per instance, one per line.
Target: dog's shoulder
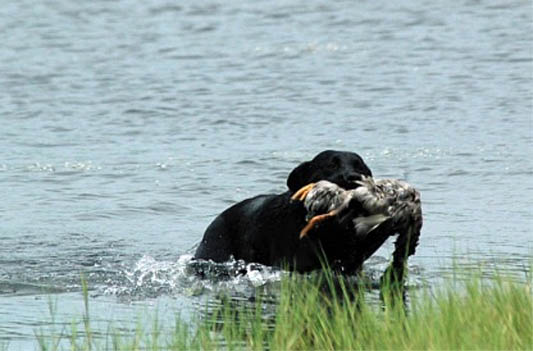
(261, 208)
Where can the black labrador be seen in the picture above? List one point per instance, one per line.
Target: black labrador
(266, 228)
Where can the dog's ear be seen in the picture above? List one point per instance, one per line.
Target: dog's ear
(300, 176)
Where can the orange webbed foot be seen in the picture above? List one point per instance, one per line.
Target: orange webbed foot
(301, 194)
(315, 220)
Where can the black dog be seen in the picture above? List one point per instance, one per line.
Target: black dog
(266, 228)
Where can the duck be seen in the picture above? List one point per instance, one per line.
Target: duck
(380, 200)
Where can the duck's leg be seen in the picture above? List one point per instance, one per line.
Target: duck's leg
(317, 219)
(302, 193)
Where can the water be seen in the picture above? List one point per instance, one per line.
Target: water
(127, 127)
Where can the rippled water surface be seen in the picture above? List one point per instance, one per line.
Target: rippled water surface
(128, 126)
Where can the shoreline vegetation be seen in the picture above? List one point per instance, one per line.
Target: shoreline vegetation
(322, 313)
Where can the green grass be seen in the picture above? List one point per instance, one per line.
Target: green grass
(473, 314)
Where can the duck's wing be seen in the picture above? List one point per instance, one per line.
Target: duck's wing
(386, 199)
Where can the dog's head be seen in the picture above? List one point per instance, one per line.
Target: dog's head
(340, 167)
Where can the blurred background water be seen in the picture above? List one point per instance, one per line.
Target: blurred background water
(126, 127)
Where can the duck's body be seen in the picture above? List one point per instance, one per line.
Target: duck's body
(379, 199)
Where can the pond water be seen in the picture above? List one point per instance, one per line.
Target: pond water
(128, 126)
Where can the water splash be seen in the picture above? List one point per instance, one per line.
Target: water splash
(149, 278)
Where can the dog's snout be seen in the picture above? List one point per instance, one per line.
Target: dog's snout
(349, 180)
(354, 177)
